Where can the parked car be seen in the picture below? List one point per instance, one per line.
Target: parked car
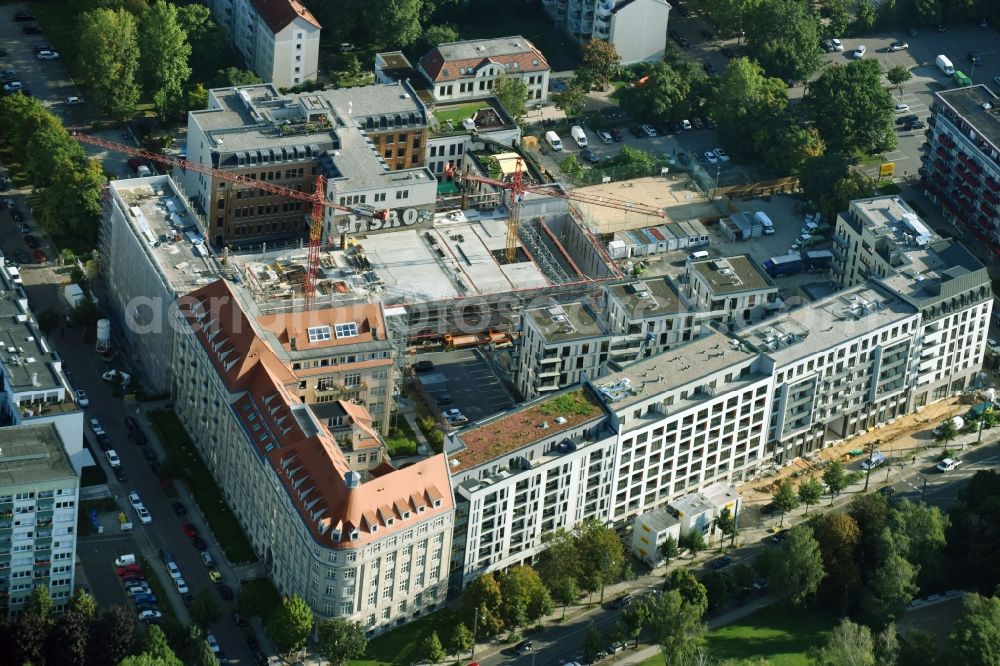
(8, 75)
(616, 134)
(199, 543)
(905, 120)
(138, 589)
(190, 531)
(215, 575)
(898, 46)
(722, 562)
(47, 55)
(74, 101)
(622, 601)
(134, 499)
(423, 366)
(150, 615)
(635, 131)
(206, 558)
(886, 491)
(902, 107)
(524, 647)
(722, 155)
(860, 51)
(10, 87)
(173, 569)
(838, 46)
(39, 256)
(144, 599)
(144, 516)
(113, 458)
(179, 509)
(710, 157)
(239, 620)
(948, 464)
(117, 377)
(590, 156)
(993, 345)
(649, 131)
(127, 569)
(24, 16)
(120, 474)
(225, 592)
(82, 399)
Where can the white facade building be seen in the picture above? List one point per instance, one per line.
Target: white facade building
(278, 39)
(468, 69)
(636, 28)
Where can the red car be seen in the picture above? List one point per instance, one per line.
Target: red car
(189, 530)
(39, 256)
(127, 569)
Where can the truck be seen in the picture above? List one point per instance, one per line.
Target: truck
(786, 264)
(944, 64)
(579, 136)
(73, 294)
(961, 79)
(462, 341)
(818, 259)
(765, 221)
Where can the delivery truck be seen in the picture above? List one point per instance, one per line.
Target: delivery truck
(944, 64)
(786, 264)
(73, 294)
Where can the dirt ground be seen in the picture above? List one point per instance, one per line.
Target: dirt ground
(907, 433)
(674, 193)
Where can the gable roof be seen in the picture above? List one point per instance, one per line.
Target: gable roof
(279, 13)
(454, 60)
(293, 327)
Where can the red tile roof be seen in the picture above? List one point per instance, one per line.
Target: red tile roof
(446, 62)
(341, 511)
(279, 13)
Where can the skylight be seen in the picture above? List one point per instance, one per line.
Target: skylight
(347, 330)
(320, 333)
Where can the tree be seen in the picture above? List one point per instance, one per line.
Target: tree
(783, 36)
(918, 533)
(599, 63)
(83, 602)
(690, 588)
(110, 40)
(112, 637)
(838, 536)
(835, 478)
(431, 649)
(40, 605)
(676, 627)
(49, 151)
(461, 639)
(197, 96)
(976, 634)
(67, 642)
(165, 53)
(946, 432)
(601, 555)
(512, 93)
(394, 21)
(796, 572)
(86, 314)
(891, 590)
(72, 210)
(669, 549)
(725, 522)
(565, 591)
(810, 492)
(693, 541)
(289, 625)
(204, 35)
(483, 596)
(234, 76)
(440, 34)
(664, 95)
(571, 166)
(920, 649)
(744, 101)
(525, 599)
(851, 110)
(637, 616)
(840, 18)
(784, 500)
(157, 647)
(571, 100)
(593, 645)
(828, 182)
(849, 644)
(871, 513)
(205, 609)
(887, 646)
(866, 17)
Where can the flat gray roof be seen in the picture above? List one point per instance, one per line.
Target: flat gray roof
(168, 230)
(568, 321)
(32, 454)
(485, 48)
(730, 275)
(692, 504)
(23, 351)
(968, 102)
(825, 323)
(647, 298)
(659, 520)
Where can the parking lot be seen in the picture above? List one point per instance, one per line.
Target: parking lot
(464, 381)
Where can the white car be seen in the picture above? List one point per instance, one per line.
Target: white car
(148, 615)
(181, 586)
(144, 516)
(95, 425)
(138, 589)
(47, 55)
(686, 124)
(711, 157)
(837, 45)
(13, 86)
(721, 154)
(117, 377)
(948, 464)
(212, 643)
(74, 101)
(113, 458)
(898, 46)
(901, 107)
(860, 51)
(174, 570)
(134, 499)
(649, 130)
(82, 399)
(993, 345)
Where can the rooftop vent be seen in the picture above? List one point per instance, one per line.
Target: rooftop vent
(544, 425)
(987, 106)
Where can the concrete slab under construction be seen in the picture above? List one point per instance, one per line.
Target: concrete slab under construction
(676, 195)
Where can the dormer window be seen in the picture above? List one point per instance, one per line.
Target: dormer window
(406, 515)
(437, 503)
(420, 509)
(389, 522)
(318, 333)
(345, 330)
(355, 535)
(374, 529)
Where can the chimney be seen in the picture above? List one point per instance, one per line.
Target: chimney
(34, 379)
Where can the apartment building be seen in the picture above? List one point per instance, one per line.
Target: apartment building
(884, 240)
(526, 473)
(372, 551)
(152, 252)
(368, 142)
(354, 431)
(730, 290)
(647, 317)
(961, 166)
(39, 490)
(337, 354)
(560, 345)
(636, 28)
(467, 70)
(841, 365)
(34, 389)
(278, 39)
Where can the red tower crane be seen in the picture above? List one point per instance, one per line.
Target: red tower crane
(518, 187)
(317, 198)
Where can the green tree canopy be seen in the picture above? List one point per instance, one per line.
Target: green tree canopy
(525, 599)
(441, 33)
(513, 95)
(676, 626)
(898, 75)
(849, 644)
(830, 183)
(289, 625)
(838, 537)
(234, 76)
(796, 572)
(207, 39)
(572, 99)
(461, 639)
(165, 52)
(690, 588)
(339, 640)
(432, 649)
(810, 491)
(395, 22)
(784, 498)
(975, 637)
(783, 36)
(83, 602)
(110, 40)
(205, 610)
(835, 478)
(599, 63)
(483, 595)
(851, 109)
(663, 96)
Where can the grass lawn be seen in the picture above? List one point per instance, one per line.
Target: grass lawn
(258, 597)
(183, 458)
(781, 635)
(402, 646)
(457, 114)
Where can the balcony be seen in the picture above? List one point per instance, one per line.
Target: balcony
(602, 32)
(604, 10)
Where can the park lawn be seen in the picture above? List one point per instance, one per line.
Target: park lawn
(781, 635)
(183, 459)
(402, 646)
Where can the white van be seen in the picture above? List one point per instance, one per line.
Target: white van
(698, 256)
(579, 136)
(124, 560)
(765, 221)
(944, 64)
(551, 138)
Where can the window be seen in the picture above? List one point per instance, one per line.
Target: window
(347, 330)
(321, 333)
